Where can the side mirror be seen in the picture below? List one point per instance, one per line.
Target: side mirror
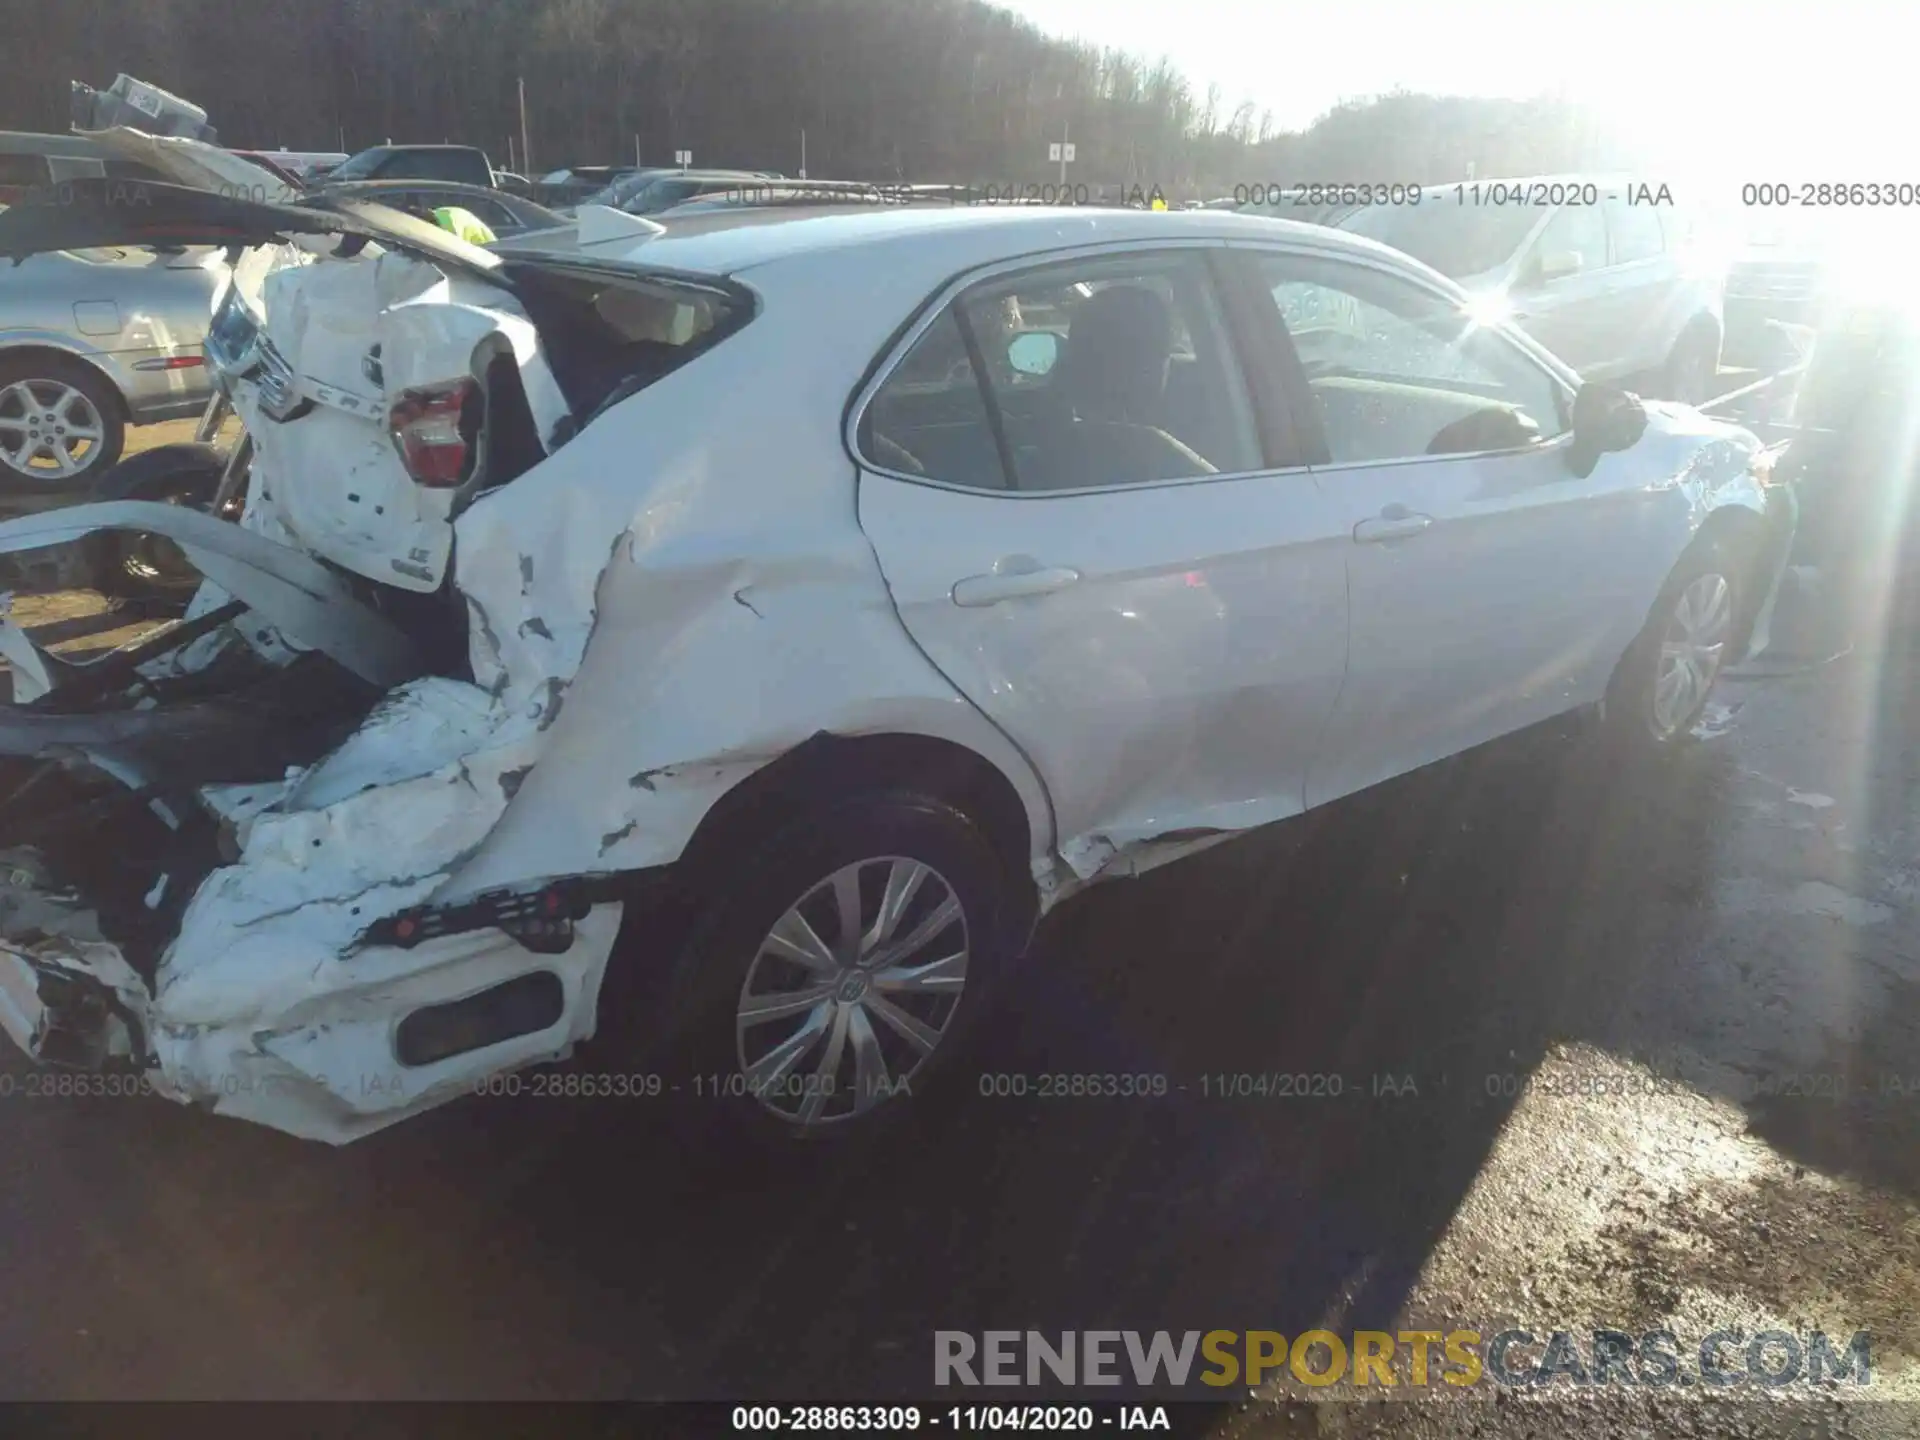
(1557, 264)
(1035, 352)
(1605, 419)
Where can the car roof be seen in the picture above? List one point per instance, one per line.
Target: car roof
(394, 187)
(388, 149)
(730, 241)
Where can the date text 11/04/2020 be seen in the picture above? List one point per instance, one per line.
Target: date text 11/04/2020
(1540, 194)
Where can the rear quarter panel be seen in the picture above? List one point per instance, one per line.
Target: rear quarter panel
(698, 548)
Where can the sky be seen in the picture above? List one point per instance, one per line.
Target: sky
(1809, 90)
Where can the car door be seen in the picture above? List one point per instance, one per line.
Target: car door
(1087, 527)
(1560, 291)
(1644, 283)
(1486, 588)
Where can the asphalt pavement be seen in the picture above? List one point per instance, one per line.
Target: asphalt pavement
(1611, 1049)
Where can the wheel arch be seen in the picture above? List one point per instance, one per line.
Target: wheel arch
(828, 767)
(61, 355)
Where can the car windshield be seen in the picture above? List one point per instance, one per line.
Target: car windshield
(360, 166)
(623, 191)
(1457, 240)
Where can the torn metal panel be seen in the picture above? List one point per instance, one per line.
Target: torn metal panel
(617, 569)
(354, 338)
(288, 589)
(643, 605)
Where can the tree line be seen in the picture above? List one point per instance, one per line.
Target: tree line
(933, 90)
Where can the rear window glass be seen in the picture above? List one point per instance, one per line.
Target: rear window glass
(609, 336)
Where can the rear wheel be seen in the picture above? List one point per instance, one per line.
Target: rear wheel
(836, 970)
(136, 565)
(1663, 682)
(60, 426)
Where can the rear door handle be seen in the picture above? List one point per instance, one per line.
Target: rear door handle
(1011, 585)
(1396, 522)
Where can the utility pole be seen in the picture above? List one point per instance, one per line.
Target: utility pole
(526, 150)
(636, 152)
(803, 154)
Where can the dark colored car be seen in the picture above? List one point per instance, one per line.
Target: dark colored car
(571, 185)
(500, 212)
(461, 164)
(650, 192)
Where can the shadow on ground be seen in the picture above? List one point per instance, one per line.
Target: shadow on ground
(1417, 946)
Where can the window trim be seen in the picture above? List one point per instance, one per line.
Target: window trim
(1530, 351)
(943, 299)
(1599, 213)
(1613, 205)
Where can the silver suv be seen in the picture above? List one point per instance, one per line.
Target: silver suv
(1602, 271)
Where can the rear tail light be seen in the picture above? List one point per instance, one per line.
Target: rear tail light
(433, 429)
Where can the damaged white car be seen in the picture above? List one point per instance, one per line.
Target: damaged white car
(876, 579)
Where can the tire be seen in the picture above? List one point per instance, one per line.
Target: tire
(1689, 373)
(727, 1073)
(1650, 709)
(134, 565)
(79, 398)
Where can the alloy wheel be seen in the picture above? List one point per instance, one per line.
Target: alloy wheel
(49, 430)
(852, 991)
(1692, 651)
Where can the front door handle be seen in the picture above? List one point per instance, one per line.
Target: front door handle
(1011, 585)
(1396, 522)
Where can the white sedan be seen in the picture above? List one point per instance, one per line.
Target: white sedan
(876, 579)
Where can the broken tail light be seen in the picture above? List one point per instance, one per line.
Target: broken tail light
(434, 430)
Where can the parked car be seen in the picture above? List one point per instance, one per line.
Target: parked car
(1059, 544)
(503, 213)
(462, 164)
(566, 187)
(91, 341)
(98, 338)
(1614, 288)
(757, 194)
(300, 167)
(649, 194)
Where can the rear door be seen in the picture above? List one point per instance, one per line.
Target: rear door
(1088, 528)
(1561, 293)
(1645, 285)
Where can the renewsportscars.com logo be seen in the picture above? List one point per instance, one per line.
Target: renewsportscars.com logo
(1770, 1359)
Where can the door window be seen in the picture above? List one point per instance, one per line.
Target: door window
(1636, 231)
(1574, 231)
(1099, 372)
(1395, 371)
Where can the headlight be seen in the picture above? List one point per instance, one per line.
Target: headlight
(234, 336)
(237, 348)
